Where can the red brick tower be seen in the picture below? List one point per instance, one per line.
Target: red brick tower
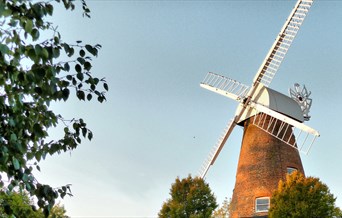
(264, 160)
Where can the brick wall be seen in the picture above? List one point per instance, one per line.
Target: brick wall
(263, 162)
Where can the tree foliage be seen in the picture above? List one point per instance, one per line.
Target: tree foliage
(19, 204)
(223, 210)
(190, 197)
(36, 71)
(303, 197)
(58, 211)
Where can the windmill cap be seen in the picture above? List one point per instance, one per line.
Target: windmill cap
(279, 102)
(275, 101)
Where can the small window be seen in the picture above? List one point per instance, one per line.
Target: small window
(291, 170)
(262, 204)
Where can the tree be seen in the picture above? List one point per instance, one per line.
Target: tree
(223, 211)
(190, 197)
(58, 211)
(19, 204)
(36, 71)
(303, 197)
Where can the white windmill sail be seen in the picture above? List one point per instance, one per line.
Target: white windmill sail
(215, 151)
(264, 75)
(224, 86)
(281, 45)
(302, 136)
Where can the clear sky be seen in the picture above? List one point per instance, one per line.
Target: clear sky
(158, 123)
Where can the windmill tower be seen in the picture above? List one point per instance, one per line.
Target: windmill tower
(274, 129)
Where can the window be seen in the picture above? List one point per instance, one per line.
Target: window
(291, 170)
(262, 204)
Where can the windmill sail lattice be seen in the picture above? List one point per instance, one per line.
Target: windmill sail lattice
(217, 148)
(224, 86)
(282, 43)
(283, 131)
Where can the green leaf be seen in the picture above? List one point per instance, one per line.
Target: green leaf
(84, 132)
(80, 76)
(87, 65)
(82, 53)
(38, 130)
(15, 163)
(66, 48)
(35, 34)
(92, 87)
(67, 68)
(81, 60)
(11, 122)
(80, 95)
(45, 53)
(66, 93)
(105, 86)
(56, 40)
(25, 177)
(71, 52)
(64, 83)
(38, 155)
(28, 26)
(49, 9)
(38, 90)
(10, 188)
(90, 136)
(78, 68)
(91, 50)
(55, 52)
(13, 137)
(89, 96)
(38, 49)
(32, 54)
(4, 49)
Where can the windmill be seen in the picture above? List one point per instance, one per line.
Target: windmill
(274, 129)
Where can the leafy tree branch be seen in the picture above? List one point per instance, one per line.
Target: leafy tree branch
(36, 71)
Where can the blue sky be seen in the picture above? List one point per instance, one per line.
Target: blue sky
(158, 123)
